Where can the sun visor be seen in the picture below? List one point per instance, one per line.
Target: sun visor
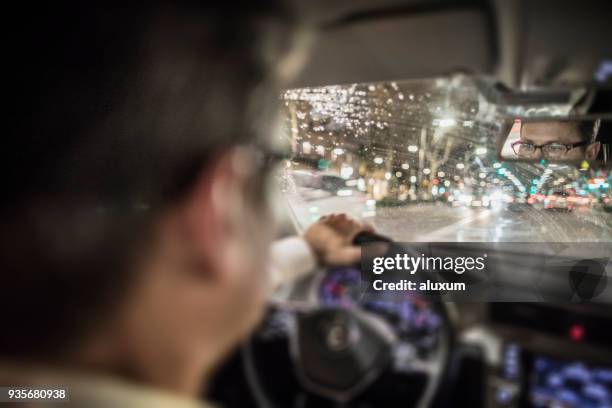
(389, 46)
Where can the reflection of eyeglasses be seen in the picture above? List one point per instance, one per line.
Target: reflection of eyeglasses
(552, 150)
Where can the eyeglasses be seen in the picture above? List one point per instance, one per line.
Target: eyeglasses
(552, 150)
(265, 160)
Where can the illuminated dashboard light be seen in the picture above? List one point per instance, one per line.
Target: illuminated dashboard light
(576, 332)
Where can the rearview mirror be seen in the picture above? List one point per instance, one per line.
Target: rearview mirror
(557, 139)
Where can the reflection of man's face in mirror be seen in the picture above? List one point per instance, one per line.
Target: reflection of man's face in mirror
(560, 140)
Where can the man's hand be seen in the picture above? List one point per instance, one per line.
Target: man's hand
(331, 239)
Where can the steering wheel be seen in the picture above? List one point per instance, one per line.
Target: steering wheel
(364, 354)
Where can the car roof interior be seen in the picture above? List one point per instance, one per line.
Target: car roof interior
(523, 44)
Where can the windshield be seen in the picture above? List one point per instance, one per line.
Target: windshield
(418, 160)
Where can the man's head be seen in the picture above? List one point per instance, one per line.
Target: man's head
(559, 140)
(134, 234)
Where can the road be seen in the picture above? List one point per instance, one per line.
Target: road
(429, 222)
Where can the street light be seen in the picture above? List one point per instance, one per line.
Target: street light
(448, 122)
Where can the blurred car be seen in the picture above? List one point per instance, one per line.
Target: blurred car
(318, 193)
(559, 200)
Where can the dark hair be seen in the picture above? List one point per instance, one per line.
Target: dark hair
(588, 129)
(116, 110)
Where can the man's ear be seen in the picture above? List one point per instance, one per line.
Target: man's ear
(208, 209)
(592, 151)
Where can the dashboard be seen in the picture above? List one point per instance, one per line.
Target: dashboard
(540, 380)
(555, 382)
(544, 355)
(510, 355)
(551, 356)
